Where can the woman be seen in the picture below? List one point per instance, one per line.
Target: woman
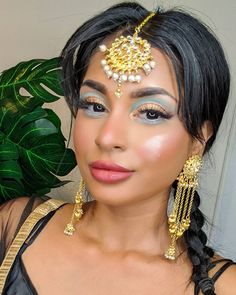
(147, 108)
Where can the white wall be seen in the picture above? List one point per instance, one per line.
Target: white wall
(39, 29)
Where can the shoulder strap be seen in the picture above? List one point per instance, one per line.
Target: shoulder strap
(222, 269)
(38, 213)
(218, 273)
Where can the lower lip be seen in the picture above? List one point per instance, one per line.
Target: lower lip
(109, 176)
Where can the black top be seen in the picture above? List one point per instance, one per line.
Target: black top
(18, 282)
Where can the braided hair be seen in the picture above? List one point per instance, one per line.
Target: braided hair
(199, 254)
(203, 79)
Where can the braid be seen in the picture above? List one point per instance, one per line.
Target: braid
(198, 252)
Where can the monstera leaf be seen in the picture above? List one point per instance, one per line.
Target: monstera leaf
(32, 147)
(30, 84)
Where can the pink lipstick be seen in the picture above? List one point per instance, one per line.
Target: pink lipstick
(108, 172)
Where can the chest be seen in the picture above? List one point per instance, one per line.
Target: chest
(92, 274)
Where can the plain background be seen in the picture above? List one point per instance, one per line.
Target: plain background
(39, 29)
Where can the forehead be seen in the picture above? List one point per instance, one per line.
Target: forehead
(162, 75)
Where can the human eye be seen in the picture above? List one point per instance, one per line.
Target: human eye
(92, 106)
(151, 113)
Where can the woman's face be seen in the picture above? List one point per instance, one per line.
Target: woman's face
(140, 131)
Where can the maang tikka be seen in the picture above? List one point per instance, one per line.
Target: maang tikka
(179, 219)
(126, 56)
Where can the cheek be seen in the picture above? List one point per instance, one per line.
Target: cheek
(152, 148)
(167, 148)
(81, 136)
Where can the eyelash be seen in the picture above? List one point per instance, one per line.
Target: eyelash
(155, 110)
(86, 103)
(158, 113)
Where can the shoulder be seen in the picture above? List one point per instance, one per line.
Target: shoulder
(226, 284)
(13, 213)
(12, 209)
(224, 273)
(9, 205)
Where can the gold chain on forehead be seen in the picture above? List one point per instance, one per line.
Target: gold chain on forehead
(126, 56)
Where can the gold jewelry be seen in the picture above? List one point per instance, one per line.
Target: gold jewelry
(179, 219)
(77, 211)
(126, 56)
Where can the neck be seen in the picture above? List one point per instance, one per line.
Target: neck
(140, 227)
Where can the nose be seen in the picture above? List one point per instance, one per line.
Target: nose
(113, 133)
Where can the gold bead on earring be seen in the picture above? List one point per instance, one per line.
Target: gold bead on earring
(77, 211)
(179, 219)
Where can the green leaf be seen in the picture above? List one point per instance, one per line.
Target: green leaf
(8, 151)
(33, 153)
(10, 172)
(9, 189)
(40, 149)
(10, 169)
(30, 84)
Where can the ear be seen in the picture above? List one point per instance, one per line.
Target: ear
(198, 146)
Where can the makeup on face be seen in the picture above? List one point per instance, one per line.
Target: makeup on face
(94, 104)
(109, 172)
(130, 132)
(150, 103)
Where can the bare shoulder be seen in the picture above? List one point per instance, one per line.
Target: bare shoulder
(226, 283)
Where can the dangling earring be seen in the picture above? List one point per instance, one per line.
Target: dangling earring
(77, 211)
(179, 219)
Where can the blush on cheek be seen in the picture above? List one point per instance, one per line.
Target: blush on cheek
(153, 148)
(163, 146)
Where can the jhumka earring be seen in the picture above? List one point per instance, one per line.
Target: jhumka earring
(179, 219)
(77, 211)
(126, 56)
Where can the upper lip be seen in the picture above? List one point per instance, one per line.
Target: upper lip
(103, 165)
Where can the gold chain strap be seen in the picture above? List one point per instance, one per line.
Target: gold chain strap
(39, 212)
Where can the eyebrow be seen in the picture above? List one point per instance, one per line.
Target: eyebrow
(148, 91)
(95, 85)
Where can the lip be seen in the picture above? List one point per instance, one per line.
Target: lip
(109, 172)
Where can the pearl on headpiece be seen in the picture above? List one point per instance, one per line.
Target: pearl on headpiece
(103, 48)
(131, 78)
(126, 56)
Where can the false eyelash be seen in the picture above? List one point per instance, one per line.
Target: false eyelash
(161, 114)
(154, 108)
(83, 104)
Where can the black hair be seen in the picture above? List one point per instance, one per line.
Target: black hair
(202, 74)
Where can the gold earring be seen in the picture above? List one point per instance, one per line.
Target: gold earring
(77, 211)
(179, 219)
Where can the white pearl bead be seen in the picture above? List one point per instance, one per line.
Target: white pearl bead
(106, 68)
(123, 78)
(131, 78)
(138, 78)
(103, 48)
(152, 64)
(115, 76)
(147, 67)
(103, 62)
(109, 73)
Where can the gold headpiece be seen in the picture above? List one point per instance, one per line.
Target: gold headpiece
(126, 56)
